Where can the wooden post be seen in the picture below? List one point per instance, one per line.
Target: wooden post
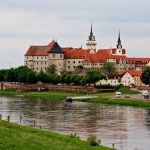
(34, 123)
(2, 84)
(20, 118)
(8, 118)
(0, 116)
(113, 146)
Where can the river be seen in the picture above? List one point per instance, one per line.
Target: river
(127, 127)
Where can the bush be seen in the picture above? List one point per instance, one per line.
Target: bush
(108, 86)
(74, 136)
(93, 141)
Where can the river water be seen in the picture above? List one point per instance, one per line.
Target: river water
(127, 127)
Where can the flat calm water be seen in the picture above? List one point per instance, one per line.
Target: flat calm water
(127, 127)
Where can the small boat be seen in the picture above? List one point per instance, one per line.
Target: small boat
(67, 100)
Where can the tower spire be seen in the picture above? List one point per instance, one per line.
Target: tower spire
(91, 33)
(119, 45)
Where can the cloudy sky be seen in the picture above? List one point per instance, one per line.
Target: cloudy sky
(37, 22)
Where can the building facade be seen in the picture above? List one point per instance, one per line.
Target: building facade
(67, 58)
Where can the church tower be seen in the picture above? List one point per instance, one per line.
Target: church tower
(119, 50)
(91, 42)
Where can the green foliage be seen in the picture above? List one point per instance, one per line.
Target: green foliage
(93, 141)
(108, 86)
(74, 136)
(145, 76)
(79, 67)
(2, 74)
(42, 77)
(31, 77)
(93, 76)
(109, 67)
(10, 75)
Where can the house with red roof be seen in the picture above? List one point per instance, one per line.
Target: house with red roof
(67, 58)
(130, 77)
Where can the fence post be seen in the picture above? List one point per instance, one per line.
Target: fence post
(34, 123)
(20, 118)
(0, 116)
(8, 118)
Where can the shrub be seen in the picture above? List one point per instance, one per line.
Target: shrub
(93, 141)
(74, 136)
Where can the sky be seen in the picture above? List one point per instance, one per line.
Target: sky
(37, 22)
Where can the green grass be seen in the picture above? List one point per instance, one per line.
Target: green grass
(50, 95)
(124, 102)
(16, 137)
(127, 91)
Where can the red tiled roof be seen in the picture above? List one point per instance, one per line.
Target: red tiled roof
(113, 75)
(131, 72)
(118, 58)
(71, 53)
(99, 56)
(39, 50)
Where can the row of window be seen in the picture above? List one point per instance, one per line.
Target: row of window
(74, 62)
(41, 63)
(73, 67)
(96, 64)
(57, 56)
(38, 57)
(39, 68)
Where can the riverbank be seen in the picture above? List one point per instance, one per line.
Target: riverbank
(49, 95)
(16, 137)
(120, 101)
(105, 98)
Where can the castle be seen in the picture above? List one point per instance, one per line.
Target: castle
(67, 58)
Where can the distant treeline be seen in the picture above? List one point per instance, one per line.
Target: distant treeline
(23, 74)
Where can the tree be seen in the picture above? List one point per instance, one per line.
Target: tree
(2, 74)
(93, 76)
(42, 77)
(51, 69)
(80, 67)
(109, 67)
(145, 76)
(31, 77)
(10, 75)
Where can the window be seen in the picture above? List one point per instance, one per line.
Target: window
(45, 63)
(37, 68)
(37, 62)
(41, 63)
(68, 61)
(74, 67)
(27, 57)
(53, 55)
(37, 57)
(60, 56)
(41, 57)
(79, 62)
(68, 67)
(74, 62)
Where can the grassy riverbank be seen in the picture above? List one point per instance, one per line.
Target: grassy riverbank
(124, 102)
(50, 95)
(102, 97)
(16, 137)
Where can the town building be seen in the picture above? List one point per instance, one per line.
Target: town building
(67, 58)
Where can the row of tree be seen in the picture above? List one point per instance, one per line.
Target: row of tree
(23, 74)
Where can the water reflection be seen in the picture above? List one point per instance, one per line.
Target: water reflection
(127, 127)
